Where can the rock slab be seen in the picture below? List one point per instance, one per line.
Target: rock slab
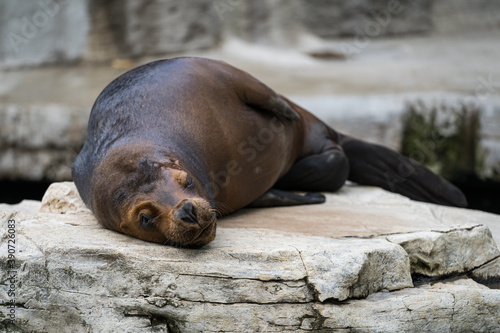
(73, 274)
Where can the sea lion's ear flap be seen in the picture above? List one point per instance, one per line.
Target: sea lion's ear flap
(371, 164)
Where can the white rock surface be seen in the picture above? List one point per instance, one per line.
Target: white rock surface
(435, 253)
(307, 272)
(440, 307)
(63, 198)
(28, 206)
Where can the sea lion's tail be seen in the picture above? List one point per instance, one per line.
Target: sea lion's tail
(372, 164)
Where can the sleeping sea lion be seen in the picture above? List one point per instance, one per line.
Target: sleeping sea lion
(174, 144)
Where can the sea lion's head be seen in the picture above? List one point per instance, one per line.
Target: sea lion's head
(151, 197)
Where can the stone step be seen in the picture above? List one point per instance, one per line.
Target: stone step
(41, 142)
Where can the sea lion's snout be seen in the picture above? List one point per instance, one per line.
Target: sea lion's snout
(193, 223)
(187, 212)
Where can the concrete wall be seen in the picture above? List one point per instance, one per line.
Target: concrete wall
(465, 15)
(40, 32)
(53, 31)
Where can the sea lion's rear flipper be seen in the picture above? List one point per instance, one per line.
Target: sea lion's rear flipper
(323, 172)
(275, 198)
(372, 164)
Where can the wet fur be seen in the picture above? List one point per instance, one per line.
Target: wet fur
(192, 114)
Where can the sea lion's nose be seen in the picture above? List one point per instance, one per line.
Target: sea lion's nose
(186, 212)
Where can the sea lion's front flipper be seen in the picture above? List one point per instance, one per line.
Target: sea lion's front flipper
(275, 198)
(272, 103)
(372, 164)
(259, 96)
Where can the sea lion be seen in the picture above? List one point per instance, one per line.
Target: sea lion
(174, 144)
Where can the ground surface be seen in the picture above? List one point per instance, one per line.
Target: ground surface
(452, 63)
(351, 263)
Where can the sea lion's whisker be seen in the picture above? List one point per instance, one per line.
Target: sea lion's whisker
(223, 208)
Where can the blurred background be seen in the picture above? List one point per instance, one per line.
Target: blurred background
(420, 76)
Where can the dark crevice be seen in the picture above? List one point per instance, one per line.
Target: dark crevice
(481, 194)
(15, 191)
(420, 279)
